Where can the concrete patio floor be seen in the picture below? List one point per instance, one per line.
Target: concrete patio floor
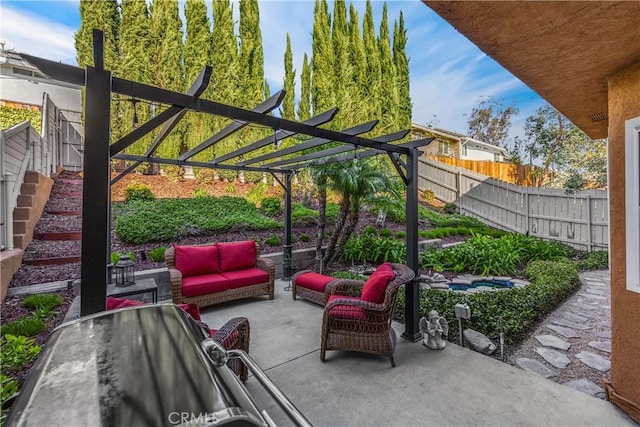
(452, 387)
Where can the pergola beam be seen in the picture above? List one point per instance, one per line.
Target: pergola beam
(356, 130)
(178, 162)
(267, 106)
(314, 121)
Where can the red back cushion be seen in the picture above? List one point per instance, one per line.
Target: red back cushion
(237, 255)
(114, 303)
(373, 289)
(197, 260)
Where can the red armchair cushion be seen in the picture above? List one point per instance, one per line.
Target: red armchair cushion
(114, 303)
(192, 309)
(197, 260)
(204, 284)
(346, 312)
(373, 289)
(313, 281)
(247, 277)
(237, 255)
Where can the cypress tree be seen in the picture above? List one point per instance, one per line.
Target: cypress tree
(304, 106)
(196, 57)
(103, 15)
(322, 69)
(359, 72)
(343, 68)
(389, 91)
(134, 40)
(372, 54)
(251, 55)
(288, 108)
(224, 77)
(402, 69)
(166, 62)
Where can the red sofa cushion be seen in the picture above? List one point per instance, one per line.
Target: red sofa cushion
(313, 281)
(346, 312)
(373, 289)
(114, 303)
(204, 284)
(197, 260)
(247, 277)
(237, 255)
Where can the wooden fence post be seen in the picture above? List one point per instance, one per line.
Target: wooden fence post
(526, 211)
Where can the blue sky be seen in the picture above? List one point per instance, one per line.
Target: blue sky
(448, 73)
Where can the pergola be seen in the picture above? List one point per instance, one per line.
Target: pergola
(98, 152)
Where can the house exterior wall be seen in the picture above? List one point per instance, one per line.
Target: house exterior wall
(474, 153)
(624, 104)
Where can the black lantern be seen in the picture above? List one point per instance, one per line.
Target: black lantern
(124, 270)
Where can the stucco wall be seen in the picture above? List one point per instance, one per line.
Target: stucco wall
(624, 104)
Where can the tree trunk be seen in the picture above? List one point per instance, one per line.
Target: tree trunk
(342, 218)
(322, 224)
(345, 234)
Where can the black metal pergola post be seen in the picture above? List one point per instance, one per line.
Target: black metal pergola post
(95, 203)
(412, 289)
(286, 245)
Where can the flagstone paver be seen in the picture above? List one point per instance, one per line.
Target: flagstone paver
(574, 317)
(536, 367)
(553, 341)
(565, 332)
(585, 386)
(604, 334)
(554, 357)
(569, 323)
(601, 345)
(594, 361)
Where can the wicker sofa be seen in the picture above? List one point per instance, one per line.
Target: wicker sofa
(220, 272)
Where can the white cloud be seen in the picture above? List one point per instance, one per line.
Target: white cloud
(37, 35)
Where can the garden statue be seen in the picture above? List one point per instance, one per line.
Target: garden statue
(434, 331)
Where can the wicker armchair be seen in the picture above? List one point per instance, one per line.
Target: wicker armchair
(352, 324)
(234, 335)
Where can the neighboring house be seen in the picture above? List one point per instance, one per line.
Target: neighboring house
(456, 145)
(22, 85)
(583, 57)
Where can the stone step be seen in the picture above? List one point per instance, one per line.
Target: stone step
(28, 188)
(594, 361)
(535, 366)
(65, 213)
(585, 386)
(21, 213)
(68, 235)
(553, 341)
(31, 177)
(52, 260)
(20, 226)
(25, 200)
(20, 241)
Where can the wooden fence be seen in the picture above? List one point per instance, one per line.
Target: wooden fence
(580, 219)
(508, 172)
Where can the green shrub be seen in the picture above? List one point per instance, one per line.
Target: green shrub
(253, 177)
(230, 188)
(441, 232)
(370, 230)
(271, 206)
(451, 208)
(16, 351)
(374, 249)
(115, 256)
(401, 235)
(520, 309)
(168, 219)
(597, 260)
(206, 176)
(27, 326)
(305, 238)
(8, 387)
(273, 241)
(301, 215)
(385, 232)
(157, 254)
(200, 192)
(440, 220)
(174, 173)
(332, 211)
(137, 191)
(42, 300)
(489, 256)
(227, 175)
(257, 193)
(12, 116)
(348, 275)
(428, 196)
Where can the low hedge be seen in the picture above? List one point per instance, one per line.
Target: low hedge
(551, 283)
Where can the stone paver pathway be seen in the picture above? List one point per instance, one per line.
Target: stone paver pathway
(572, 346)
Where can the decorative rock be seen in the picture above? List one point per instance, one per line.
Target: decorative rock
(589, 301)
(554, 357)
(574, 317)
(601, 345)
(502, 278)
(485, 289)
(592, 296)
(424, 286)
(534, 366)
(565, 332)
(553, 341)
(520, 282)
(584, 306)
(568, 323)
(438, 285)
(594, 361)
(595, 291)
(437, 277)
(604, 334)
(585, 386)
(459, 281)
(478, 342)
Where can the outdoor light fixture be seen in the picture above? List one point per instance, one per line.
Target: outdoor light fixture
(125, 269)
(463, 311)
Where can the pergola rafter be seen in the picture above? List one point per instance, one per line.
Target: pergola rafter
(100, 85)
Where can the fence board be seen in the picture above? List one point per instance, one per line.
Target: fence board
(579, 220)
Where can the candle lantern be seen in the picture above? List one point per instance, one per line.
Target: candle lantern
(125, 269)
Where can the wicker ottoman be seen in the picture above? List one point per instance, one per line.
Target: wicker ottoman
(312, 286)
